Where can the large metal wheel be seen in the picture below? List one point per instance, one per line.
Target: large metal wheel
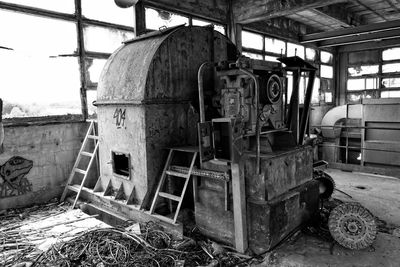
(326, 183)
(352, 226)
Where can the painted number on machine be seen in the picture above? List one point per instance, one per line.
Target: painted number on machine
(119, 116)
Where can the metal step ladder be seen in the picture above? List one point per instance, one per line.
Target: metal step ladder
(171, 173)
(90, 135)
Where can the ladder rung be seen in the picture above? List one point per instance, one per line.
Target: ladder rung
(80, 171)
(87, 154)
(177, 174)
(169, 196)
(73, 187)
(93, 136)
(163, 218)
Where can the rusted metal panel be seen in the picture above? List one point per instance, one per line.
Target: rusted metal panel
(280, 173)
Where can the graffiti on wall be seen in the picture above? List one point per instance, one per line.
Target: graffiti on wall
(119, 116)
(13, 181)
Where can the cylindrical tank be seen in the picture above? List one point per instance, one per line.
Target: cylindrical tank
(145, 100)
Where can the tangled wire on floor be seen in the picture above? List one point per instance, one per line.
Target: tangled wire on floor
(117, 247)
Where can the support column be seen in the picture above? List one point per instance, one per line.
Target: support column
(239, 206)
(139, 18)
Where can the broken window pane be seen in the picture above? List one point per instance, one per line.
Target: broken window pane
(253, 55)
(326, 57)
(105, 40)
(364, 57)
(94, 66)
(390, 94)
(390, 82)
(64, 6)
(275, 46)
(311, 54)
(252, 40)
(295, 50)
(217, 27)
(155, 19)
(37, 85)
(326, 71)
(37, 35)
(393, 67)
(107, 11)
(391, 54)
(363, 70)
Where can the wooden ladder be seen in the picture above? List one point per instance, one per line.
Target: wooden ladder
(91, 134)
(167, 171)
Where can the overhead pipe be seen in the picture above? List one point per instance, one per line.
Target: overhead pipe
(125, 3)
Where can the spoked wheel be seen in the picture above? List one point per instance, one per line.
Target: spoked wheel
(326, 184)
(352, 226)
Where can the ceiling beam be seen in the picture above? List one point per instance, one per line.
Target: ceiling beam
(349, 32)
(362, 38)
(257, 10)
(393, 5)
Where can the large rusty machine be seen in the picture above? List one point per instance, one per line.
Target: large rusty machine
(185, 122)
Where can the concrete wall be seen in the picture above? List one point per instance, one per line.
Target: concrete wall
(36, 162)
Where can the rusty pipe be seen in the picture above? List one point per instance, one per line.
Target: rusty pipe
(258, 126)
(201, 89)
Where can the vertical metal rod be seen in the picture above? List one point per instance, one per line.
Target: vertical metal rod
(347, 134)
(258, 126)
(306, 108)
(201, 89)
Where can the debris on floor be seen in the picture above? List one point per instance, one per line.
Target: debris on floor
(55, 235)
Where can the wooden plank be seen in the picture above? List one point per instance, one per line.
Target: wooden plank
(257, 10)
(239, 208)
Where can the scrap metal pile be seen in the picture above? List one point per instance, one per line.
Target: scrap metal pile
(118, 247)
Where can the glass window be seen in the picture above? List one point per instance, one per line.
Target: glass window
(275, 46)
(326, 84)
(94, 66)
(106, 11)
(354, 97)
(390, 94)
(37, 35)
(105, 40)
(363, 70)
(362, 84)
(252, 55)
(272, 59)
(155, 19)
(326, 71)
(35, 85)
(390, 82)
(315, 93)
(328, 97)
(311, 54)
(295, 50)
(217, 27)
(391, 54)
(64, 6)
(91, 96)
(393, 67)
(252, 40)
(326, 57)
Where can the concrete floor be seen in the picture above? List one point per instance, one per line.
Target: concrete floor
(381, 195)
